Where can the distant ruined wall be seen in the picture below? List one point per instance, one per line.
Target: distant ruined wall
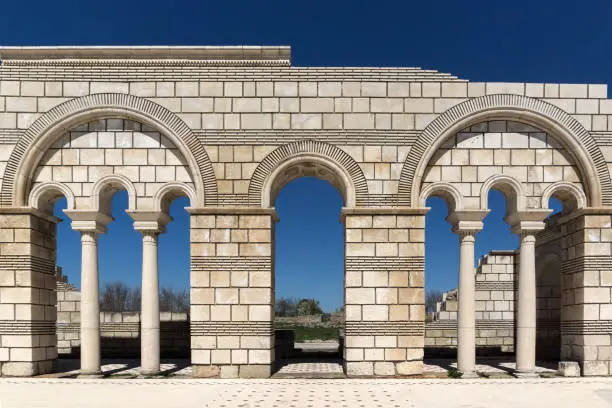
(119, 331)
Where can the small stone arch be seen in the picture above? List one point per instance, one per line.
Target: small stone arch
(37, 138)
(511, 188)
(572, 197)
(449, 193)
(44, 195)
(168, 192)
(558, 123)
(304, 158)
(104, 189)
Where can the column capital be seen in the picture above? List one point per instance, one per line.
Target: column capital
(467, 221)
(149, 222)
(528, 222)
(88, 220)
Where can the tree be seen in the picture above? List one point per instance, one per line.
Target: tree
(118, 297)
(285, 307)
(308, 307)
(431, 299)
(173, 301)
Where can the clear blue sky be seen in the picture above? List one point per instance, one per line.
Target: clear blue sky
(526, 41)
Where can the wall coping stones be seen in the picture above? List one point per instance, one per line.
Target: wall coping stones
(158, 55)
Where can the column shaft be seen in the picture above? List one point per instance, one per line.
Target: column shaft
(466, 348)
(149, 334)
(90, 305)
(526, 316)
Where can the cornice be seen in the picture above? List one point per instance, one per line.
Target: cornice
(148, 55)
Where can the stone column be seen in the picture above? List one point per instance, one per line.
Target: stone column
(467, 224)
(90, 305)
(150, 224)
(526, 315)
(149, 333)
(526, 223)
(90, 224)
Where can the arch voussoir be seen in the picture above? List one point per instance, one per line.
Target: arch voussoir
(510, 107)
(36, 139)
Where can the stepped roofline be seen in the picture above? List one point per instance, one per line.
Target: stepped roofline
(266, 55)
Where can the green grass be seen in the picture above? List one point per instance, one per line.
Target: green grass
(303, 333)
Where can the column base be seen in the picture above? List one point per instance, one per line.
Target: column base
(528, 374)
(469, 375)
(91, 376)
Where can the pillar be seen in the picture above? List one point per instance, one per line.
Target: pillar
(90, 224)
(149, 333)
(28, 343)
(466, 223)
(466, 322)
(526, 308)
(384, 291)
(232, 292)
(90, 305)
(526, 223)
(150, 224)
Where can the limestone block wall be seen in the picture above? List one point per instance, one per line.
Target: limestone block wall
(68, 317)
(587, 322)
(495, 306)
(234, 125)
(28, 344)
(384, 293)
(232, 293)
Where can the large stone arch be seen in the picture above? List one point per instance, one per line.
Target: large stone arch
(550, 118)
(335, 159)
(41, 134)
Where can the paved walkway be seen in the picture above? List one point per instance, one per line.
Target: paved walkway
(169, 393)
(312, 367)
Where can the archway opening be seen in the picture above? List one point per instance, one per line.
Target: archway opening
(309, 274)
(174, 269)
(441, 280)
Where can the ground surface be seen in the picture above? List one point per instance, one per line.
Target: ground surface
(168, 393)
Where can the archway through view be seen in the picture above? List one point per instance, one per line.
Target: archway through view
(309, 279)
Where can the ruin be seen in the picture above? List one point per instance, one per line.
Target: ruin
(228, 127)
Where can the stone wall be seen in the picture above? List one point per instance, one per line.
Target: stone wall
(229, 127)
(119, 331)
(495, 305)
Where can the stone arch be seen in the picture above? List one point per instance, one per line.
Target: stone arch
(41, 134)
(569, 194)
(304, 158)
(511, 188)
(168, 192)
(555, 121)
(447, 192)
(106, 187)
(44, 195)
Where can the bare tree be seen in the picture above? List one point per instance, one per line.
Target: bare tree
(173, 301)
(118, 297)
(431, 299)
(285, 307)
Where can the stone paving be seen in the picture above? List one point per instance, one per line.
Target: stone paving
(387, 393)
(313, 367)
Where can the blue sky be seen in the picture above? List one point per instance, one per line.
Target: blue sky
(525, 41)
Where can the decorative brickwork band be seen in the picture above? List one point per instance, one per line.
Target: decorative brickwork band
(480, 324)
(413, 263)
(398, 328)
(579, 327)
(231, 263)
(577, 138)
(109, 104)
(26, 328)
(27, 263)
(506, 286)
(245, 328)
(585, 263)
